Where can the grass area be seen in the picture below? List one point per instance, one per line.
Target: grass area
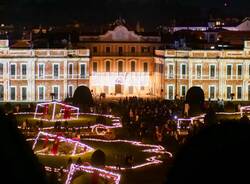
(83, 120)
(110, 150)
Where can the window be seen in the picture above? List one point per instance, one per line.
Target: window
(13, 70)
(1, 69)
(55, 90)
(41, 93)
(132, 66)
(120, 66)
(212, 92)
(183, 90)
(239, 92)
(23, 93)
(130, 90)
(229, 92)
(1, 93)
(132, 49)
(229, 71)
(170, 92)
(106, 89)
(239, 71)
(183, 71)
(170, 71)
(41, 71)
(23, 70)
(70, 91)
(120, 50)
(55, 71)
(83, 70)
(198, 71)
(145, 67)
(94, 66)
(212, 69)
(12, 93)
(249, 71)
(70, 70)
(107, 66)
(107, 49)
(94, 49)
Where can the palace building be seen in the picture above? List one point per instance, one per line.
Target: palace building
(220, 73)
(122, 63)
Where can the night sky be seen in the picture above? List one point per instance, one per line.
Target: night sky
(148, 12)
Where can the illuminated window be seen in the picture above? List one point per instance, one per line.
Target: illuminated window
(70, 70)
(132, 66)
(94, 66)
(70, 91)
(12, 93)
(239, 92)
(23, 93)
(83, 71)
(198, 71)
(212, 92)
(55, 71)
(229, 71)
(23, 70)
(183, 90)
(183, 71)
(107, 66)
(1, 93)
(239, 71)
(13, 70)
(212, 69)
(145, 67)
(41, 93)
(120, 66)
(130, 90)
(1, 69)
(41, 71)
(170, 71)
(229, 92)
(170, 95)
(106, 89)
(55, 90)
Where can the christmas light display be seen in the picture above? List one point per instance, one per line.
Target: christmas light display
(245, 109)
(90, 169)
(55, 111)
(76, 144)
(152, 149)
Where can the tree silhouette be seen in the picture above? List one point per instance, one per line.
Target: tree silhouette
(195, 99)
(82, 97)
(19, 164)
(98, 158)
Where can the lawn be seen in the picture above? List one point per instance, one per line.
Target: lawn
(84, 120)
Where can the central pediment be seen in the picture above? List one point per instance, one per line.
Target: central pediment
(120, 33)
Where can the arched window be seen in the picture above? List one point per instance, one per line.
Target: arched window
(120, 66)
(107, 66)
(132, 66)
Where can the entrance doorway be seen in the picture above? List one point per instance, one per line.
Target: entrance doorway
(118, 89)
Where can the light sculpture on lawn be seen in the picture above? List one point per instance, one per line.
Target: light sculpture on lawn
(56, 111)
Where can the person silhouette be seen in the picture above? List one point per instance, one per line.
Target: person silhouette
(218, 153)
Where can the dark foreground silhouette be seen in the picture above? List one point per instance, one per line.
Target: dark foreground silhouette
(217, 154)
(18, 162)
